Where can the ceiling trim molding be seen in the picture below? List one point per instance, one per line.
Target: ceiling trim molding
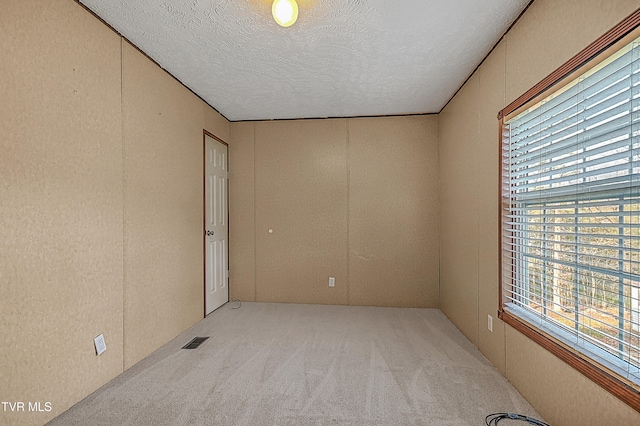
(346, 117)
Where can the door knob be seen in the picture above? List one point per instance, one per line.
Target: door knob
(209, 233)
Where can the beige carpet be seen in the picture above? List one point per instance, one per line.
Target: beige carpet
(282, 364)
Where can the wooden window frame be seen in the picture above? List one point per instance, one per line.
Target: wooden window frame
(613, 383)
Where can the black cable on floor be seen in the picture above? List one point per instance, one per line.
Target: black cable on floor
(493, 419)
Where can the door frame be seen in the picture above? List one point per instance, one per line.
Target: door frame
(206, 133)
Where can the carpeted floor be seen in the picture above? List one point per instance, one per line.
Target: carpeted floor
(284, 364)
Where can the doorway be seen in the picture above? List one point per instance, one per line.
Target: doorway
(216, 223)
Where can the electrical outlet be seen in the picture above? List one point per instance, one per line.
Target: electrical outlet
(332, 281)
(100, 344)
(490, 323)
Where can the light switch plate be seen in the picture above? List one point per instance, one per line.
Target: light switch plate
(100, 344)
(332, 281)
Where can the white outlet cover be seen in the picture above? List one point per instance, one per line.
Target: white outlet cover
(100, 344)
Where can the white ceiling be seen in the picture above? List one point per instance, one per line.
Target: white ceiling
(342, 58)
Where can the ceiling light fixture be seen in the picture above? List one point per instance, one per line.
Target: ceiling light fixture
(285, 12)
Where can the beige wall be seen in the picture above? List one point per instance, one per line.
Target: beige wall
(355, 199)
(547, 35)
(61, 205)
(301, 196)
(163, 205)
(101, 205)
(242, 213)
(393, 211)
(458, 210)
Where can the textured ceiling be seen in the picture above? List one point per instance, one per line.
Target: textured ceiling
(342, 58)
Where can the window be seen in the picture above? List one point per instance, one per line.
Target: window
(570, 212)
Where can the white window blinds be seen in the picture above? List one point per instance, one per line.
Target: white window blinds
(571, 219)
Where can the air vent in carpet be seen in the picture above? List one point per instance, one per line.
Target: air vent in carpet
(197, 341)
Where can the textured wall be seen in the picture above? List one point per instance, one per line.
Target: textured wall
(60, 206)
(459, 210)
(101, 205)
(393, 213)
(355, 199)
(301, 196)
(242, 213)
(547, 35)
(492, 97)
(560, 393)
(163, 205)
(215, 123)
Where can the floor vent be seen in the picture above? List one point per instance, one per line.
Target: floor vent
(197, 341)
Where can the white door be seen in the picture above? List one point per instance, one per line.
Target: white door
(216, 225)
